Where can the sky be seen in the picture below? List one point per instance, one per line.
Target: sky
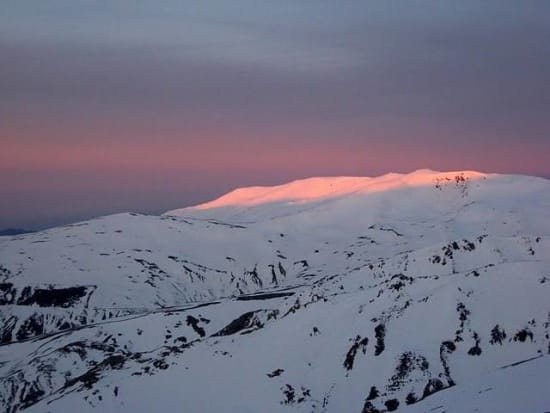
(109, 106)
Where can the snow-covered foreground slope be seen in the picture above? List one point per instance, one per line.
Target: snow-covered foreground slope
(403, 292)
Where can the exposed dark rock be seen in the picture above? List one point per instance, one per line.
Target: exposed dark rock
(391, 404)
(380, 334)
(31, 394)
(53, 297)
(255, 277)
(463, 313)
(282, 270)
(359, 343)
(88, 379)
(160, 364)
(433, 386)
(398, 281)
(523, 334)
(411, 399)
(289, 394)
(32, 326)
(497, 335)
(7, 292)
(446, 348)
(275, 373)
(273, 275)
(246, 323)
(6, 330)
(408, 362)
(368, 407)
(476, 349)
(303, 263)
(194, 323)
(373, 393)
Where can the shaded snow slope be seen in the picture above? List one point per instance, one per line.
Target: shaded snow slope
(523, 388)
(325, 294)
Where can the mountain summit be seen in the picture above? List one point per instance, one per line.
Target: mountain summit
(420, 292)
(328, 188)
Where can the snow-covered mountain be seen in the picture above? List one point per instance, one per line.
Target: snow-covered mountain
(421, 292)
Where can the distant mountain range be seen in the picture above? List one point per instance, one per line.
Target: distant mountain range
(13, 231)
(426, 292)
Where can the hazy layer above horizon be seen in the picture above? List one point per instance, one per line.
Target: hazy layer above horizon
(112, 106)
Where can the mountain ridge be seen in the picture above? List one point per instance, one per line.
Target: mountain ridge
(319, 187)
(364, 301)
